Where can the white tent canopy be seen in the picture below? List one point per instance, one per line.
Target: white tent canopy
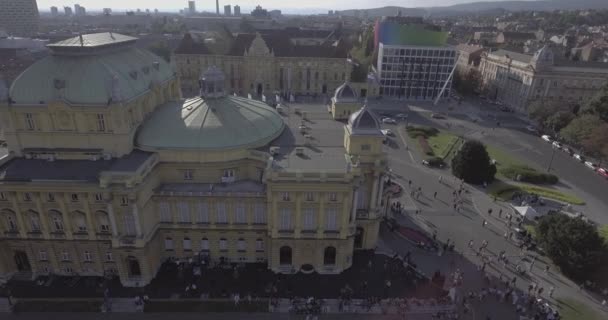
(528, 212)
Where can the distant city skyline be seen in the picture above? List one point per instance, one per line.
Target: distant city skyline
(286, 6)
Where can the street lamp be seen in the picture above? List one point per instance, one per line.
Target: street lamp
(551, 161)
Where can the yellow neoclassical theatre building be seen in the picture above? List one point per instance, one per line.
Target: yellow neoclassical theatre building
(109, 170)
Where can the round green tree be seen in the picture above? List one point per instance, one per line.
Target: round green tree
(572, 244)
(472, 163)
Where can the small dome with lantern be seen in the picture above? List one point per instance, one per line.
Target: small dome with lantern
(364, 122)
(345, 93)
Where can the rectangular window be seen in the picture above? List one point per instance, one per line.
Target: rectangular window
(259, 245)
(184, 212)
(228, 176)
(205, 244)
(241, 245)
(222, 217)
(35, 223)
(331, 218)
(223, 245)
(74, 197)
(187, 244)
(124, 201)
(310, 196)
(109, 256)
(366, 147)
(285, 196)
(98, 197)
(58, 224)
(87, 256)
(188, 174)
(333, 196)
(30, 124)
(309, 219)
(168, 244)
(101, 122)
(240, 215)
(165, 212)
(65, 256)
(259, 213)
(285, 222)
(130, 224)
(50, 197)
(42, 255)
(12, 226)
(27, 196)
(203, 212)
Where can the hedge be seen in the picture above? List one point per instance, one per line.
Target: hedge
(424, 145)
(415, 132)
(526, 174)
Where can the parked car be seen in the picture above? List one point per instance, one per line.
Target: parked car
(603, 172)
(401, 116)
(579, 157)
(532, 129)
(389, 120)
(437, 116)
(557, 145)
(435, 162)
(546, 138)
(591, 165)
(567, 150)
(387, 132)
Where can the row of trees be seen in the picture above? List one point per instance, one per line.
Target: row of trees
(584, 126)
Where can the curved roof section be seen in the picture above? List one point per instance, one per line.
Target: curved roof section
(364, 122)
(345, 93)
(210, 124)
(97, 79)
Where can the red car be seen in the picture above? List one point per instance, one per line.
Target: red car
(603, 172)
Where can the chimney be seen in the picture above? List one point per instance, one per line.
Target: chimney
(217, 7)
(81, 40)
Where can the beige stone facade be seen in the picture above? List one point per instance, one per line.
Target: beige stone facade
(517, 79)
(87, 194)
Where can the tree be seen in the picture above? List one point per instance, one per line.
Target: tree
(580, 128)
(558, 120)
(472, 163)
(596, 143)
(599, 104)
(572, 244)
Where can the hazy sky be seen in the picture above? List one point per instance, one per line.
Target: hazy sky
(209, 5)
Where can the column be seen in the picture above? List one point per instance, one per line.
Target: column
(381, 191)
(67, 220)
(297, 223)
(44, 223)
(91, 225)
(321, 218)
(137, 222)
(112, 219)
(353, 215)
(372, 203)
(19, 217)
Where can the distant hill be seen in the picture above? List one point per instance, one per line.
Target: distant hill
(484, 6)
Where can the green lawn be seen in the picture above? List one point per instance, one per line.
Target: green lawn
(505, 190)
(442, 143)
(531, 230)
(503, 159)
(571, 309)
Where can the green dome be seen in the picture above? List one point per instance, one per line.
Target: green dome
(222, 123)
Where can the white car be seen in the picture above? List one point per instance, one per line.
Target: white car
(531, 129)
(546, 138)
(578, 157)
(557, 145)
(389, 120)
(591, 165)
(387, 132)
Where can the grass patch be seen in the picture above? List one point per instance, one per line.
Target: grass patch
(510, 167)
(442, 143)
(571, 309)
(531, 230)
(415, 132)
(205, 306)
(505, 191)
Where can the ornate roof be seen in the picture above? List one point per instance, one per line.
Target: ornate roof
(364, 122)
(97, 79)
(345, 93)
(210, 124)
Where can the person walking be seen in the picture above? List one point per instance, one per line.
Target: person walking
(551, 292)
(435, 195)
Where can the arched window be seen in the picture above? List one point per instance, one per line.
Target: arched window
(56, 220)
(80, 221)
(103, 221)
(10, 220)
(329, 256)
(285, 255)
(134, 269)
(34, 219)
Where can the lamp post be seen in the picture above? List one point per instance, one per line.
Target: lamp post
(551, 161)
